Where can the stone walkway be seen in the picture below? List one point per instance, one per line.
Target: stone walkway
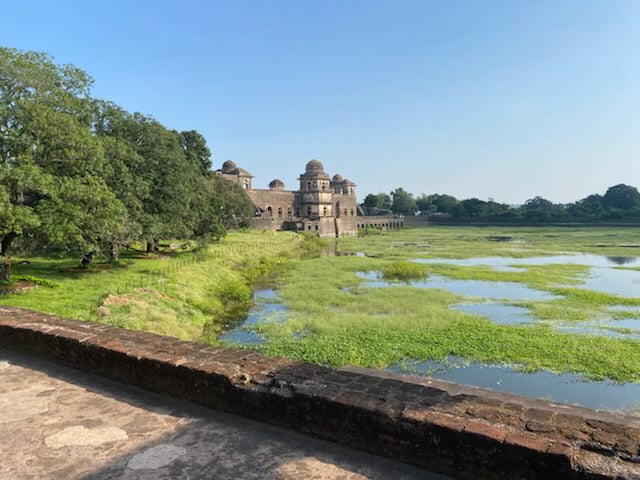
(60, 423)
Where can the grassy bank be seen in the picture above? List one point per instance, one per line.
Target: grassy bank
(189, 295)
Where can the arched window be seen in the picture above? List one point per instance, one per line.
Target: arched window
(346, 212)
(352, 212)
(324, 211)
(308, 186)
(279, 212)
(289, 212)
(309, 227)
(316, 226)
(270, 210)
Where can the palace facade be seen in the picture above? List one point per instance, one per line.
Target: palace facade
(322, 204)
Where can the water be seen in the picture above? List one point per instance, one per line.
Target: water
(626, 308)
(605, 328)
(498, 313)
(559, 388)
(267, 308)
(603, 275)
(472, 288)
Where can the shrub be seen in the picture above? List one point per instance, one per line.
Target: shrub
(403, 271)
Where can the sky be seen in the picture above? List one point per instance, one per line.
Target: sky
(489, 99)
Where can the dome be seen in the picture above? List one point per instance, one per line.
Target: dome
(348, 182)
(228, 166)
(337, 178)
(314, 166)
(276, 184)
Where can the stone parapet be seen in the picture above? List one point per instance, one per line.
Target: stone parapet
(462, 431)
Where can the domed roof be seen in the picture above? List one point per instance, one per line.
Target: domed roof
(276, 184)
(337, 178)
(346, 181)
(314, 166)
(228, 166)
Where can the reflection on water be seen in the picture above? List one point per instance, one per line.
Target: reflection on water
(560, 388)
(267, 308)
(622, 260)
(498, 313)
(473, 288)
(603, 275)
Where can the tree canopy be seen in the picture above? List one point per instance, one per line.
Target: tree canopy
(619, 202)
(78, 174)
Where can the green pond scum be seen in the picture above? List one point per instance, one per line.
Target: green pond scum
(335, 318)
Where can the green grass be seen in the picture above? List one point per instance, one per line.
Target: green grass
(189, 295)
(403, 271)
(334, 319)
(467, 242)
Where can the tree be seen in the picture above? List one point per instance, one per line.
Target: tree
(51, 188)
(474, 207)
(171, 206)
(370, 201)
(444, 203)
(539, 209)
(589, 207)
(380, 200)
(196, 151)
(234, 208)
(403, 202)
(623, 197)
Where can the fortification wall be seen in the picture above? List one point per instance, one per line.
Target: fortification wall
(462, 431)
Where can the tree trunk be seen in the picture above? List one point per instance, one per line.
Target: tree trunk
(5, 247)
(153, 246)
(114, 252)
(86, 260)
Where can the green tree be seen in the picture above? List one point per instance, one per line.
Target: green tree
(51, 189)
(196, 151)
(539, 209)
(444, 203)
(403, 202)
(622, 197)
(234, 208)
(379, 200)
(170, 208)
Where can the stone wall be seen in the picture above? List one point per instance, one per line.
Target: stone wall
(283, 203)
(466, 432)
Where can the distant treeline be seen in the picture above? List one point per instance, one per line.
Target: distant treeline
(78, 174)
(619, 203)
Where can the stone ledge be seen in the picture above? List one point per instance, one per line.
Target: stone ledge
(462, 431)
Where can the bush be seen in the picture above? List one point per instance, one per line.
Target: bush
(233, 292)
(312, 245)
(403, 271)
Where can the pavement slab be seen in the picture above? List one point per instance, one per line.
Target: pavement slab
(59, 423)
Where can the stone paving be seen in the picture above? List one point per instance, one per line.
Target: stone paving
(60, 423)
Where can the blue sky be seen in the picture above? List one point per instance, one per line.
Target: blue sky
(504, 99)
